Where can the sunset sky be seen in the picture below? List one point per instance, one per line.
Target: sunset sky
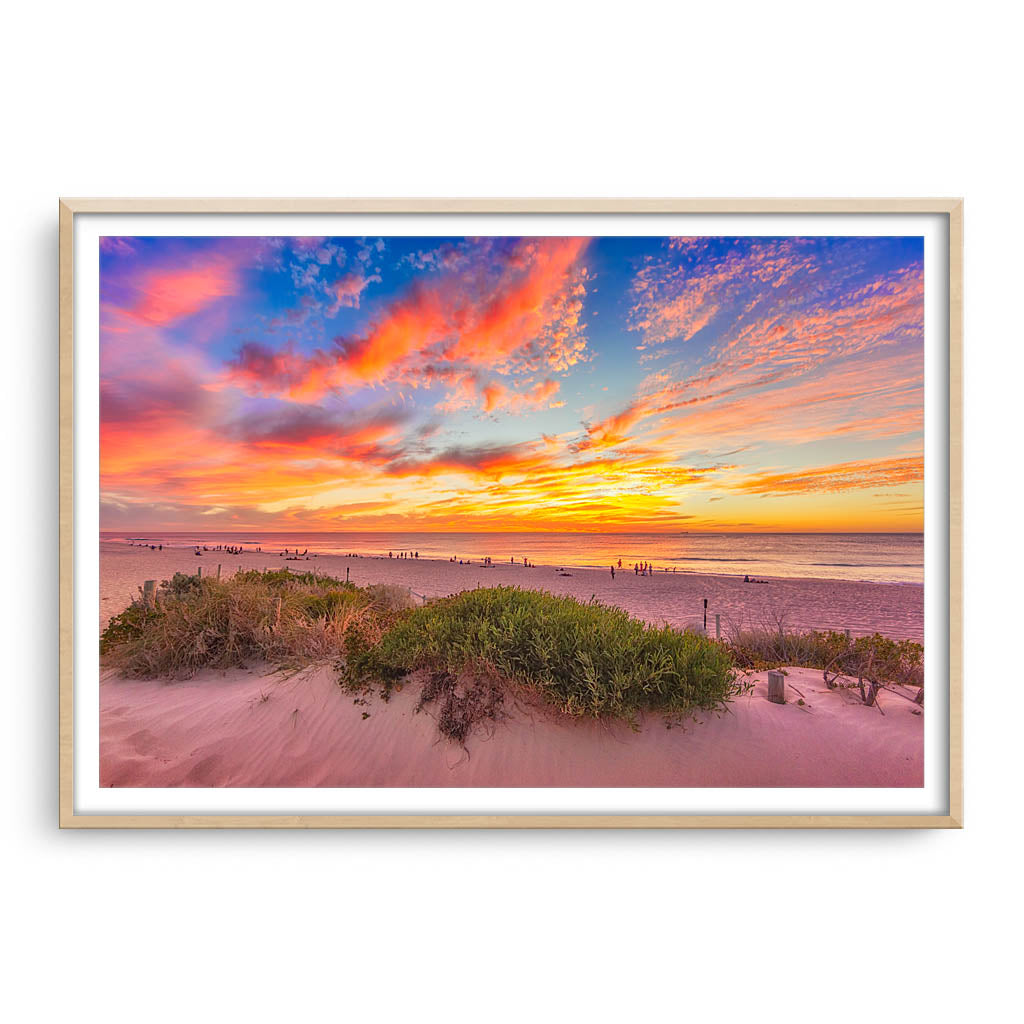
(458, 384)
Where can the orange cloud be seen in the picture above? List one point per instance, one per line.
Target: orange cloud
(845, 476)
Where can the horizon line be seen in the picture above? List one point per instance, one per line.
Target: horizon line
(589, 533)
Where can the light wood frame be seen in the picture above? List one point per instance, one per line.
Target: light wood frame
(951, 208)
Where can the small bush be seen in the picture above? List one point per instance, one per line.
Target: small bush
(892, 661)
(587, 659)
(128, 627)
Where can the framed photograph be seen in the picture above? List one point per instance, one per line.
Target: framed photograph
(510, 513)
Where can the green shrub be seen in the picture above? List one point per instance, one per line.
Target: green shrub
(587, 659)
(127, 628)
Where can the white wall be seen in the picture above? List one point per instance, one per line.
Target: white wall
(512, 99)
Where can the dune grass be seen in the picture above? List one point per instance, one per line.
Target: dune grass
(587, 659)
(284, 618)
(877, 656)
(584, 658)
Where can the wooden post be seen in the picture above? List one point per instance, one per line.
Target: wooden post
(847, 634)
(718, 626)
(277, 613)
(218, 570)
(346, 574)
(705, 616)
(776, 687)
(199, 572)
(149, 592)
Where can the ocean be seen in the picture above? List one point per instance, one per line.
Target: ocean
(872, 557)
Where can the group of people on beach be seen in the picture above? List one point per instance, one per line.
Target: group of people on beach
(227, 549)
(486, 562)
(645, 568)
(296, 555)
(639, 568)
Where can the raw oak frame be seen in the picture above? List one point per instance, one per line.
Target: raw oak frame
(951, 208)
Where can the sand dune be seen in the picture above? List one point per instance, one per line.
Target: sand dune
(257, 728)
(244, 728)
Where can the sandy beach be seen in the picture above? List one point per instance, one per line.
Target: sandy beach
(895, 610)
(254, 727)
(248, 728)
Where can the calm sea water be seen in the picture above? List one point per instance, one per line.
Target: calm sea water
(877, 557)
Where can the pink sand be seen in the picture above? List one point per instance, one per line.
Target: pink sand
(244, 728)
(256, 728)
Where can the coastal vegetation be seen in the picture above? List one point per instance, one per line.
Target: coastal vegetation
(470, 652)
(837, 654)
(283, 618)
(585, 658)
(582, 657)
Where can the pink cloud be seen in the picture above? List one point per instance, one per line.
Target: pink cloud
(673, 300)
(348, 289)
(169, 295)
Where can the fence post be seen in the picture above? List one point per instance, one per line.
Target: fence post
(718, 626)
(776, 687)
(218, 570)
(199, 574)
(149, 592)
(346, 574)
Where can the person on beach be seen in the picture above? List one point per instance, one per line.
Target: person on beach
(636, 569)
(613, 571)
(620, 563)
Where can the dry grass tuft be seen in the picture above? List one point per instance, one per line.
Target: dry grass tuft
(278, 617)
(879, 657)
